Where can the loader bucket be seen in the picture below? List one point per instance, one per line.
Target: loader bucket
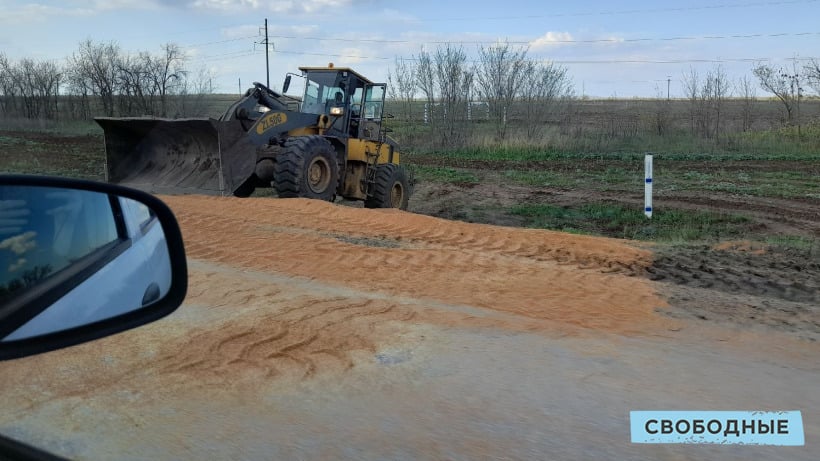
(177, 156)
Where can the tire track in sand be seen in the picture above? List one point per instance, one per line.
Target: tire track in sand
(567, 279)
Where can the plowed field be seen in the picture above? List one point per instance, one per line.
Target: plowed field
(319, 331)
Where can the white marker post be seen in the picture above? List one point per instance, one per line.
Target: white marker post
(647, 209)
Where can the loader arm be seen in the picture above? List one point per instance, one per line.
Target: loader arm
(247, 107)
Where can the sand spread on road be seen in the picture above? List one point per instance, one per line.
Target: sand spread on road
(288, 289)
(553, 276)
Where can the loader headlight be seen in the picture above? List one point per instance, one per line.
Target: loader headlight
(337, 111)
(262, 109)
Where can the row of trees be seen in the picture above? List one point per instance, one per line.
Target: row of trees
(501, 77)
(515, 87)
(708, 94)
(101, 79)
(789, 85)
(29, 88)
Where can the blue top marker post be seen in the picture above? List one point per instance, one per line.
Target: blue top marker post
(648, 185)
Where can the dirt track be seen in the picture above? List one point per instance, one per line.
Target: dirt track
(314, 330)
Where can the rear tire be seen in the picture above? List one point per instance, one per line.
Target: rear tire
(391, 189)
(307, 168)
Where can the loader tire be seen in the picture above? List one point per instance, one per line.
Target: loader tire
(307, 167)
(391, 189)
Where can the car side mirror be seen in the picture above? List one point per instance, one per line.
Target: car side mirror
(80, 260)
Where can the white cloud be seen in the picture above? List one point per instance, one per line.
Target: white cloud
(103, 5)
(550, 39)
(34, 12)
(278, 6)
(14, 267)
(19, 244)
(37, 12)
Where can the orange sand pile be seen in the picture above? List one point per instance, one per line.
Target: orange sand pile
(282, 290)
(557, 277)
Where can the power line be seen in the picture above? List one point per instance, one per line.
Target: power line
(333, 55)
(567, 41)
(540, 16)
(230, 55)
(634, 11)
(650, 61)
(243, 53)
(198, 45)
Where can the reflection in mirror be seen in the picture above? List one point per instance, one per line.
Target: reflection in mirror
(69, 258)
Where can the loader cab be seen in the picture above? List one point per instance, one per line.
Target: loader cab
(353, 103)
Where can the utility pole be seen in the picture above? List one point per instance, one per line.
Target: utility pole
(668, 84)
(267, 59)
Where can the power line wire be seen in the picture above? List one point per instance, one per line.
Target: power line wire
(634, 11)
(197, 45)
(243, 53)
(567, 41)
(551, 15)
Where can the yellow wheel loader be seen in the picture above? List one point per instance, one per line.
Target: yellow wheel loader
(330, 143)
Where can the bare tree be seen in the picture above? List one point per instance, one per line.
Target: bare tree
(78, 93)
(29, 88)
(8, 90)
(167, 73)
(662, 115)
(812, 71)
(454, 81)
(402, 85)
(545, 86)
(94, 68)
(426, 84)
(707, 98)
(500, 72)
(191, 100)
(718, 88)
(691, 88)
(785, 86)
(135, 89)
(47, 78)
(748, 96)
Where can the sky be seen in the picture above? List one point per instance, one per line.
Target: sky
(631, 48)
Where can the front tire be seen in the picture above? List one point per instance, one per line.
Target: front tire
(391, 188)
(307, 168)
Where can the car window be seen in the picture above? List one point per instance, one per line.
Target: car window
(45, 230)
(142, 215)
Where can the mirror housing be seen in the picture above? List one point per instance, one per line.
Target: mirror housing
(286, 85)
(80, 260)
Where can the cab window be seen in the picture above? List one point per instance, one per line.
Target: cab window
(46, 230)
(323, 91)
(374, 102)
